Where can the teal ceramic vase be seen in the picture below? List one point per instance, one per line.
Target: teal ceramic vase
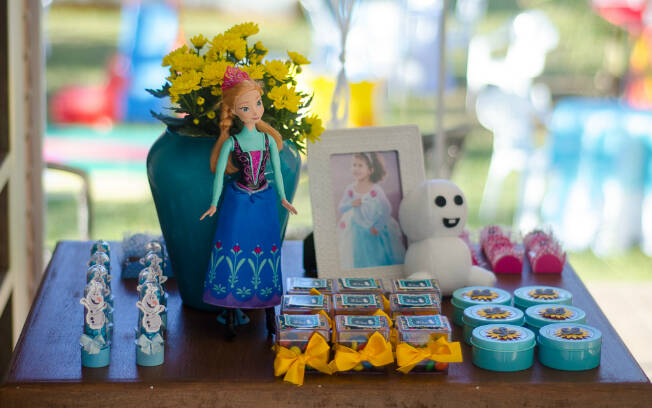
(182, 183)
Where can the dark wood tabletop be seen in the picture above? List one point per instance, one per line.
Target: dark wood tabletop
(203, 369)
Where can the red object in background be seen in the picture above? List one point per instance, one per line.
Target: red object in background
(503, 254)
(544, 252)
(93, 105)
(623, 13)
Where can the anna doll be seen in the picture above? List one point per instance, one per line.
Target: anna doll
(245, 268)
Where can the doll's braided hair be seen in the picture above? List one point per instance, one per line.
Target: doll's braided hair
(376, 164)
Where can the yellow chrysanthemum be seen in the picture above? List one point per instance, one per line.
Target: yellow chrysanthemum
(260, 49)
(285, 98)
(167, 60)
(218, 44)
(185, 83)
(214, 73)
(297, 58)
(228, 42)
(277, 69)
(316, 128)
(195, 121)
(198, 41)
(244, 30)
(254, 71)
(200, 100)
(186, 62)
(211, 115)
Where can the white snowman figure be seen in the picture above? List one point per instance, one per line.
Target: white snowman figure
(95, 305)
(151, 308)
(433, 216)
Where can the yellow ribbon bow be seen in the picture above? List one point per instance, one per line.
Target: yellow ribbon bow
(441, 351)
(377, 351)
(293, 364)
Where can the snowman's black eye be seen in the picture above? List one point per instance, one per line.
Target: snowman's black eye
(440, 201)
(458, 200)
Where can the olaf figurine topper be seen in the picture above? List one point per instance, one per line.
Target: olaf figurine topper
(95, 340)
(433, 216)
(149, 341)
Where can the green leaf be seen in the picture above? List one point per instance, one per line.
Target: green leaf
(160, 93)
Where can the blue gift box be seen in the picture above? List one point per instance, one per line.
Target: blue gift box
(477, 295)
(542, 315)
(480, 315)
(569, 346)
(502, 347)
(537, 295)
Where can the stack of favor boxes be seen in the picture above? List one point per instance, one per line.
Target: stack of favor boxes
(348, 312)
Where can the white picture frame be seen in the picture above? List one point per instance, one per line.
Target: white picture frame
(405, 141)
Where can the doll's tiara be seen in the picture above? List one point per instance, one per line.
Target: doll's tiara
(233, 76)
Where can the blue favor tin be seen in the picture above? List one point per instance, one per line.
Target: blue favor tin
(538, 295)
(476, 295)
(479, 315)
(569, 346)
(542, 315)
(502, 347)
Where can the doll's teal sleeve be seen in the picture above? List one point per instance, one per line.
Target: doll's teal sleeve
(276, 167)
(218, 183)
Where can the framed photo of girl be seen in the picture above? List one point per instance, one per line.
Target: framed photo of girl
(358, 178)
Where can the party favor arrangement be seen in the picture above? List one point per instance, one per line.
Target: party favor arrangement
(504, 337)
(357, 325)
(152, 305)
(97, 332)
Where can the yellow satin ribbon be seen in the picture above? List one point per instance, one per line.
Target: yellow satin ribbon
(407, 356)
(385, 303)
(381, 313)
(377, 351)
(293, 364)
(328, 318)
(315, 292)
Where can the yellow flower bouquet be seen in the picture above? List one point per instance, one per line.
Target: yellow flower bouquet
(197, 72)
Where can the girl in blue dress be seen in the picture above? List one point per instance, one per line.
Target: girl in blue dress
(245, 266)
(368, 234)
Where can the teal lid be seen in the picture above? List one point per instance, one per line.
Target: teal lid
(535, 295)
(479, 315)
(480, 295)
(542, 315)
(503, 337)
(570, 336)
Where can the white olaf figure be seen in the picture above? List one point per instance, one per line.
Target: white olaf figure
(151, 308)
(433, 216)
(95, 305)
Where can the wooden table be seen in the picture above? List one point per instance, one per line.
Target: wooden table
(202, 369)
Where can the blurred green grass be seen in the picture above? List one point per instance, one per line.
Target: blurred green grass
(82, 39)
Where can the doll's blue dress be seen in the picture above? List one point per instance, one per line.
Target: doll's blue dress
(359, 248)
(245, 269)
